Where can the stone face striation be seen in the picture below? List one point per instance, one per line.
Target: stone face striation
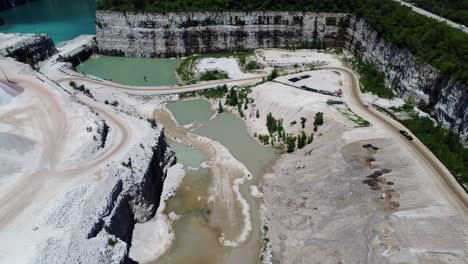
(27, 48)
(437, 94)
(178, 34)
(99, 219)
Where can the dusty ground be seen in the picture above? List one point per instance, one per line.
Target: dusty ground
(320, 210)
(336, 201)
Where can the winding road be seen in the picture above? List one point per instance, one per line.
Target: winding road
(47, 115)
(432, 15)
(164, 90)
(444, 180)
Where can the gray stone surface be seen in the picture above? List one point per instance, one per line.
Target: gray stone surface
(175, 34)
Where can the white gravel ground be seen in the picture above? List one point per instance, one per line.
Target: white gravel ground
(278, 57)
(228, 65)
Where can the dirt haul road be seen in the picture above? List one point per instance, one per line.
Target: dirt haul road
(442, 177)
(44, 178)
(163, 90)
(445, 180)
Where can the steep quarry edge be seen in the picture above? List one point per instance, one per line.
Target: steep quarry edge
(109, 209)
(27, 48)
(175, 34)
(436, 93)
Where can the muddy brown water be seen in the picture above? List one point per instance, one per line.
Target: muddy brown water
(200, 225)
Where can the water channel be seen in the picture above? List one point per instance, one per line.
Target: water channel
(196, 237)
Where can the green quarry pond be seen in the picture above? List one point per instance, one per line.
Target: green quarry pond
(188, 155)
(132, 71)
(227, 129)
(61, 19)
(195, 241)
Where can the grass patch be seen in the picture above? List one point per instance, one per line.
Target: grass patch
(344, 110)
(212, 93)
(372, 80)
(213, 75)
(185, 69)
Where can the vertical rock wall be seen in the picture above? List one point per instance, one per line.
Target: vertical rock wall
(437, 94)
(27, 48)
(175, 34)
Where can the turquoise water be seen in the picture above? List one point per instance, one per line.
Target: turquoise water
(189, 111)
(61, 19)
(132, 71)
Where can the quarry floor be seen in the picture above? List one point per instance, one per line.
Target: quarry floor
(338, 200)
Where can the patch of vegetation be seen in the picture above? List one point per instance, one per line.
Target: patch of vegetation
(111, 242)
(444, 143)
(231, 98)
(213, 75)
(153, 123)
(185, 69)
(220, 107)
(432, 42)
(273, 75)
(251, 66)
(212, 93)
(164, 6)
(264, 138)
(81, 88)
(372, 80)
(303, 122)
(455, 10)
(277, 133)
(318, 120)
(345, 111)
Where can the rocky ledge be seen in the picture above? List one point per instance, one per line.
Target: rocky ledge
(27, 48)
(97, 220)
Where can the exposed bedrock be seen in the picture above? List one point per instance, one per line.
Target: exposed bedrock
(27, 48)
(444, 98)
(175, 34)
(101, 217)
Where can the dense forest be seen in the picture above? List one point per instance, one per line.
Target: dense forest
(455, 10)
(164, 6)
(435, 43)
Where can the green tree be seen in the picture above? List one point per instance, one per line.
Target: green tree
(232, 98)
(273, 75)
(220, 107)
(291, 143)
(318, 120)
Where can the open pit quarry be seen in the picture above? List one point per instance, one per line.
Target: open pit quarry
(88, 174)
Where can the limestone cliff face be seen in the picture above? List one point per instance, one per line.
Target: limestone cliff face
(438, 94)
(28, 48)
(100, 229)
(175, 34)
